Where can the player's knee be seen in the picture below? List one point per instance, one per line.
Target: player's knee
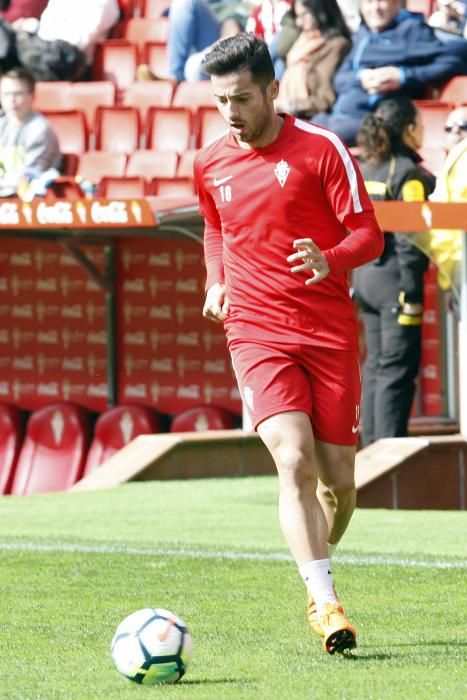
(295, 466)
(343, 489)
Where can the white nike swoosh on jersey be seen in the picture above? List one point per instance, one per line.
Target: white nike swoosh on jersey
(222, 180)
(355, 428)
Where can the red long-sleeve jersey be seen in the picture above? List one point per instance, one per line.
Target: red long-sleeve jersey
(255, 203)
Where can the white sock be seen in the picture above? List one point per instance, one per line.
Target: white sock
(318, 581)
(331, 549)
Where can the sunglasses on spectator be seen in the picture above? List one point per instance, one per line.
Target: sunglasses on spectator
(462, 126)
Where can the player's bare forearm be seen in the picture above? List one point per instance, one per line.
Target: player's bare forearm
(310, 259)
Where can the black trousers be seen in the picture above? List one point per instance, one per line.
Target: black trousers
(393, 354)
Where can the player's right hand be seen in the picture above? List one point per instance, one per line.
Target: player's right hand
(216, 305)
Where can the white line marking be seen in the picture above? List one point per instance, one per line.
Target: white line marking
(354, 560)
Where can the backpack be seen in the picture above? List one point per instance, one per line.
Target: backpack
(50, 60)
(8, 57)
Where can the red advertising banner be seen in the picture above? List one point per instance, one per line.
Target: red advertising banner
(53, 340)
(81, 213)
(170, 357)
(431, 389)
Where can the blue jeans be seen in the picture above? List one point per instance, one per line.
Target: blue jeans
(192, 27)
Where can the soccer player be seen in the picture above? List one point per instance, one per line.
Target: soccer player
(286, 215)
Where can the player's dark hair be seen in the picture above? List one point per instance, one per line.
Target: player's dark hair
(239, 53)
(381, 133)
(23, 75)
(328, 16)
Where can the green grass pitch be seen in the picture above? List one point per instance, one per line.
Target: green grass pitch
(72, 566)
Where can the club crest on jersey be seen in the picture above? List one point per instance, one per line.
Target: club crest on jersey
(282, 171)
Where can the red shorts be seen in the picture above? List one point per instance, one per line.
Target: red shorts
(322, 382)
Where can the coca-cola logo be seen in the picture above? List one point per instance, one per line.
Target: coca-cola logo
(114, 212)
(57, 213)
(9, 214)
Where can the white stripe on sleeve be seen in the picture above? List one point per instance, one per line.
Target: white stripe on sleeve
(342, 151)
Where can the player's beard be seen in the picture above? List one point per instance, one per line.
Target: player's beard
(254, 129)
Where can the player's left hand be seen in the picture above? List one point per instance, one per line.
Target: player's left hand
(310, 258)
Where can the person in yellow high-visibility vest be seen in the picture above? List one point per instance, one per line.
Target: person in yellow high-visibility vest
(389, 290)
(445, 246)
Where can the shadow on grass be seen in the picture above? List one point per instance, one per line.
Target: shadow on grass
(448, 643)
(367, 657)
(217, 681)
(363, 655)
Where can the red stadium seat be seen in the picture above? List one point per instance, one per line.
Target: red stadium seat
(204, 417)
(150, 164)
(194, 95)
(185, 164)
(144, 95)
(117, 129)
(53, 96)
(94, 165)
(139, 30)
(124, 187)
(209, 125)
(423, 6)
(172, 186)
(155, 8)
(116, 428)
(88, 96)
(64, 188)
(433, 114)
(130, 8)
(455, 91)
(116, 60)
(169, 129)
(71, 130)
(54, 450)
(155, 56)
(70, 163)
(11, 438)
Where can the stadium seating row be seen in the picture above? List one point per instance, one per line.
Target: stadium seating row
(93, 166)
(118, 59)
(143, 8)
(156, 8)
(86, 97)
(121, 130)
(57, 446)
(164, 147)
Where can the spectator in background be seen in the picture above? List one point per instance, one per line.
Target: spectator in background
(394, 54)
(445, 246)
(60, 45)
(351, 12)
(18, 9)
(449, 20)
(306, 85)
(193, 27)
(264, 21)
(265, 18)
(28, 144)
(389, 290)
(191, 23)
(289, 31)
(193, 69)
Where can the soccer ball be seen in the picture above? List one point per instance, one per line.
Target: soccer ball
(152, 646)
